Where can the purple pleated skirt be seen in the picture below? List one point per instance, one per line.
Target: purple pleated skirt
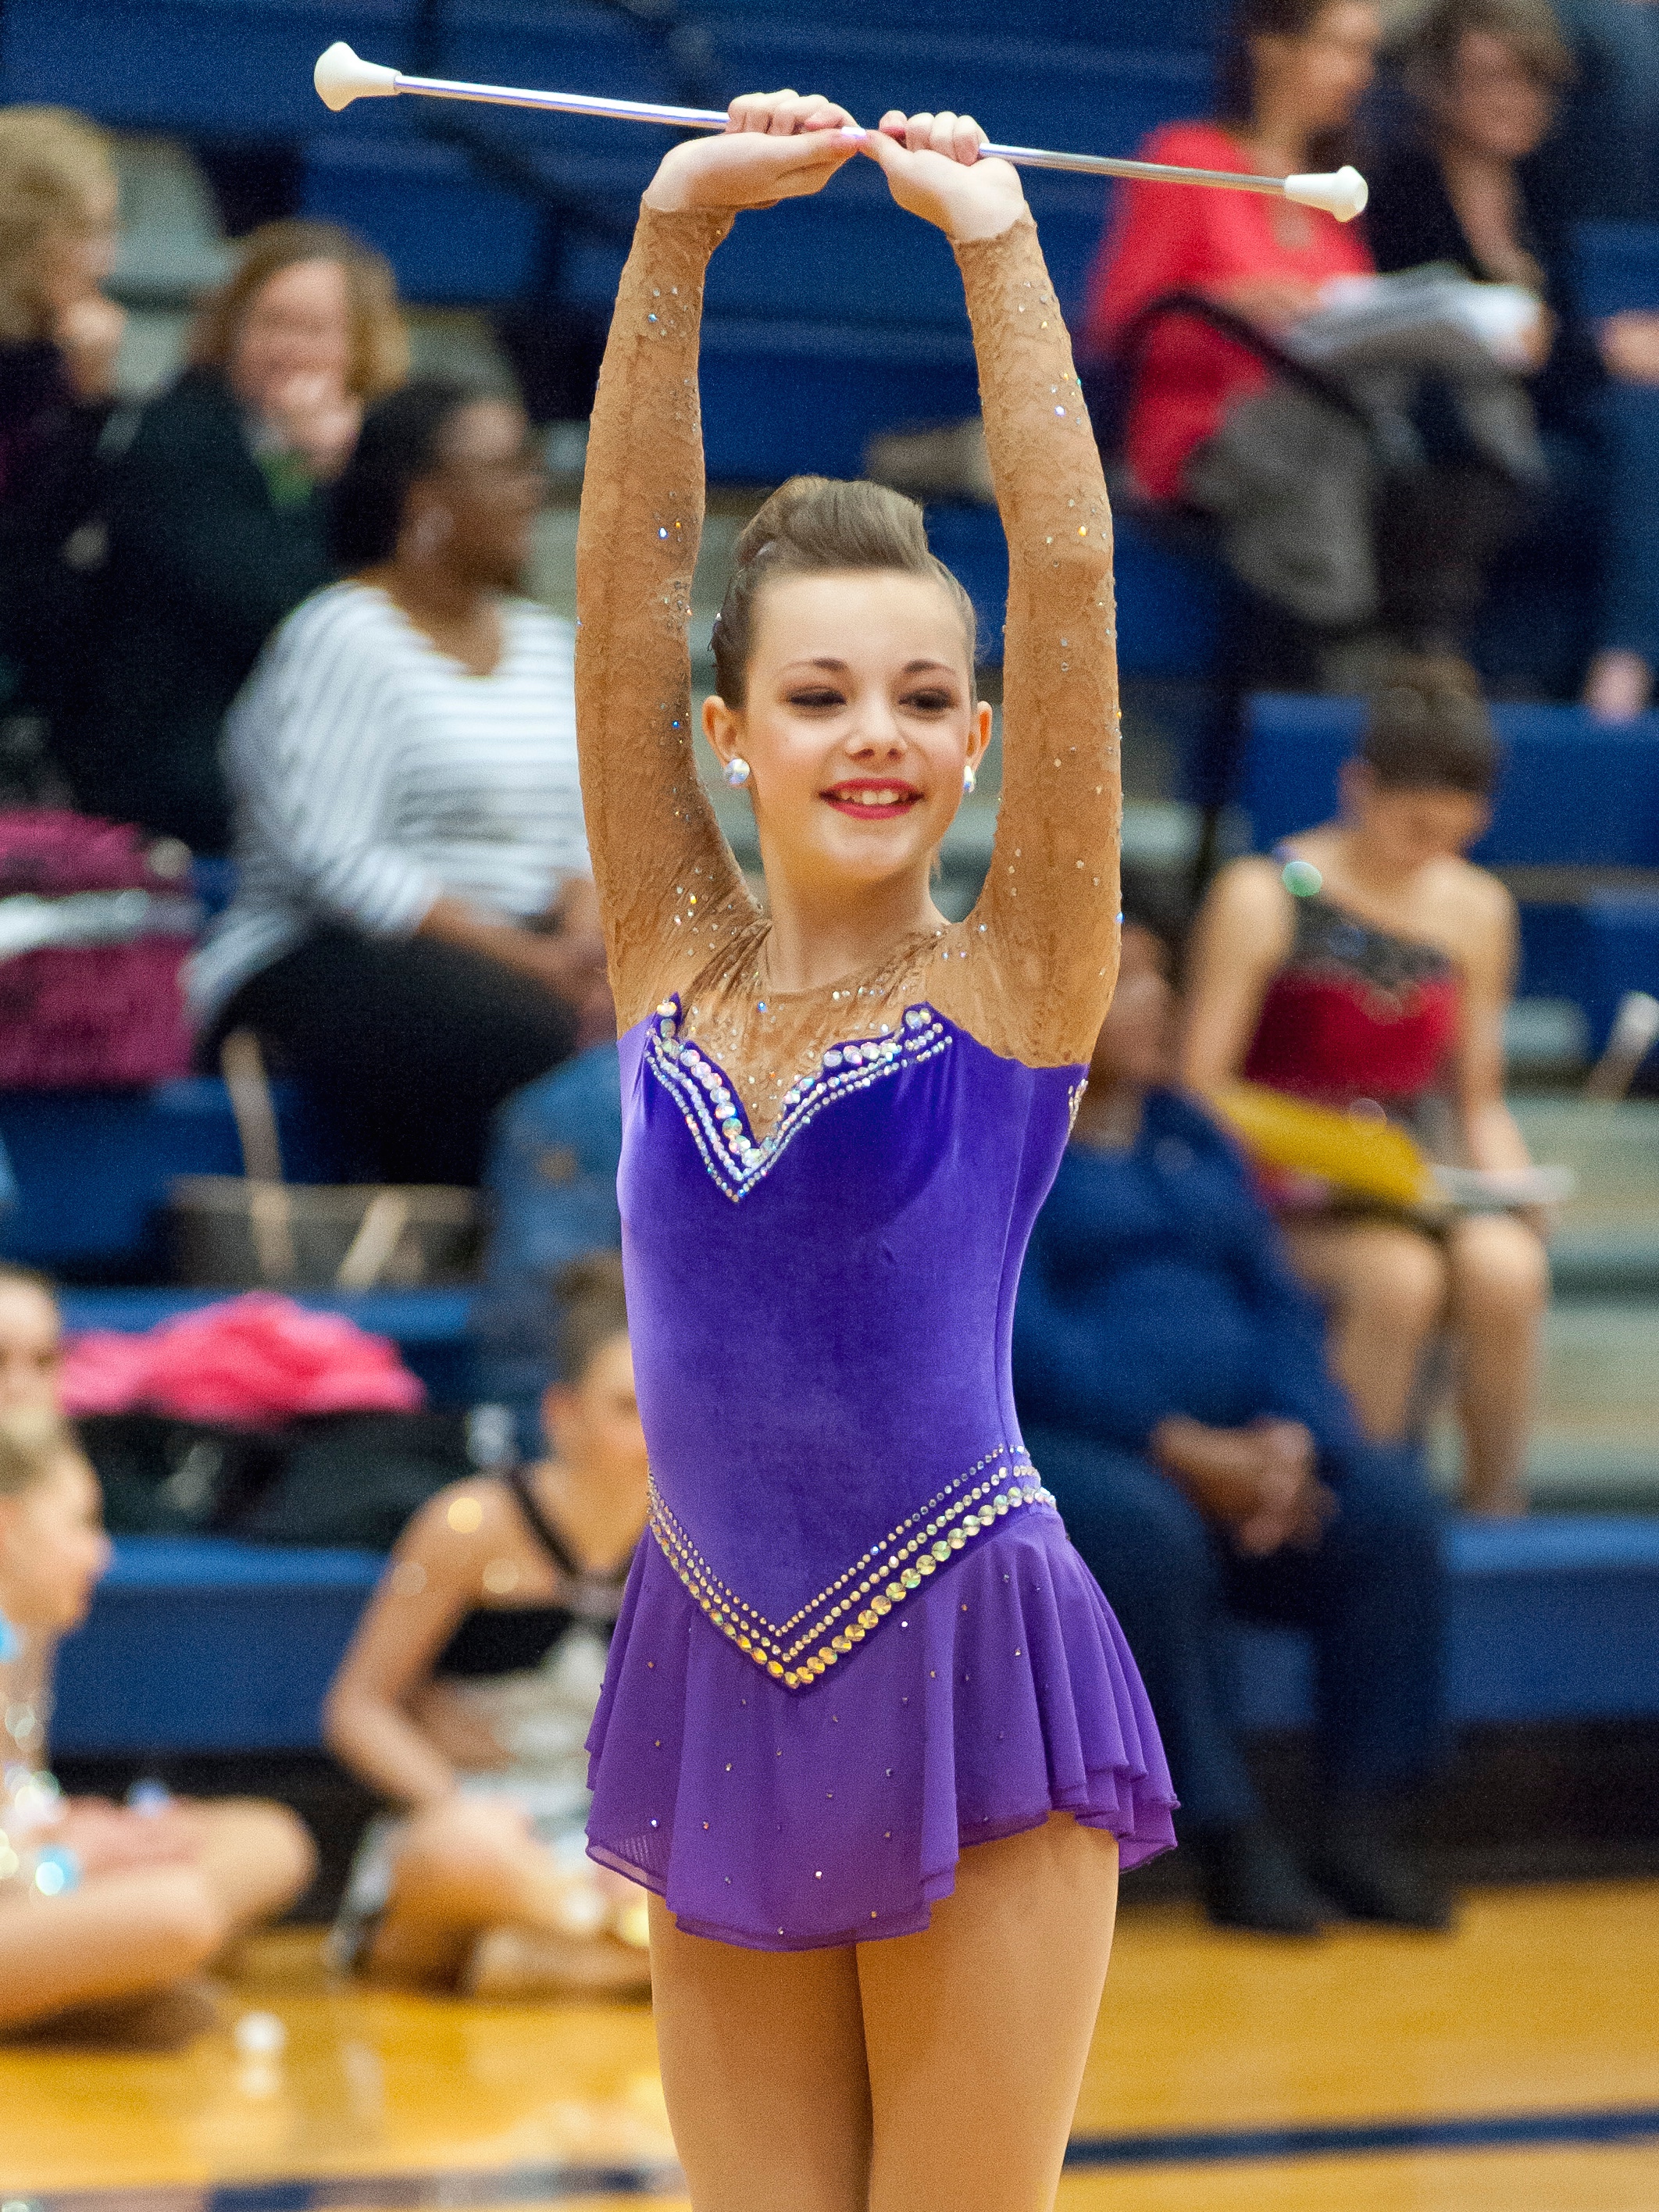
(784, 1821)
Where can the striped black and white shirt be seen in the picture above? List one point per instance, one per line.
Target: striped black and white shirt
(373, 774)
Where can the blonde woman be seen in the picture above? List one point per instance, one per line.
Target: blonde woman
(58, 334)
(217, 522)
(59, 337)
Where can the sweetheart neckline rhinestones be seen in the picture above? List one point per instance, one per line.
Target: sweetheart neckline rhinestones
(719, 1121)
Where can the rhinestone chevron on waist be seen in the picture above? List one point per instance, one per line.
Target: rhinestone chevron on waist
(797, 1651)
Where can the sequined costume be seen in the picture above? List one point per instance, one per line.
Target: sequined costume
(860, 1639)
(1355, 1012)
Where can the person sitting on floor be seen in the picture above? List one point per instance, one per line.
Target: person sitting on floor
(1172, 1386)
(469, 1688)
(1366, 966)
(415, 922)
(31, 1342)
(107, 1913)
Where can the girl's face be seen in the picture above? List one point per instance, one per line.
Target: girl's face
(486, 493)
(31, 1348)
(297, 323)
(1492, 102)
(1321, 76)
(1408, 829)
(52, 1548)
(859, 721)
(594, 1425)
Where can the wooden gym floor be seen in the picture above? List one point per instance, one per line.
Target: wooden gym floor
(1514, 2068)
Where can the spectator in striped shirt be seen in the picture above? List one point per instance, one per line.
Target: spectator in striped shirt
(413, 929)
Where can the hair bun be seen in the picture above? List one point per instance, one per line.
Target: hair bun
(816, 525)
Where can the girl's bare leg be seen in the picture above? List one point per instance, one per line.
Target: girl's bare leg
(763, 2068)
(1500, 1287)
(117, 1938)
(256, 1858)
(978, 2030)
(462, 1868)
(1386, 1286)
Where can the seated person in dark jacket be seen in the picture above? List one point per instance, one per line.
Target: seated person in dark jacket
(217, 520)
(1472, 180)
(59, 338)
(1172, 1386)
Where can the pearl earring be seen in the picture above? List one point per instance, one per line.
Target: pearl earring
(969, 779)
(737, 771)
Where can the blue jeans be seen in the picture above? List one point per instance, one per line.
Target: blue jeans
(1370, 1598)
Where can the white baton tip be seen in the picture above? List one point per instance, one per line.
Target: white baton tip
(342, 77)
(1343, 194)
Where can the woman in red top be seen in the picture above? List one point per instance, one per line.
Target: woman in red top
(1367, 965)
(1292, 74)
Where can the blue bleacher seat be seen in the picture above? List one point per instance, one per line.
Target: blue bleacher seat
(201, 1643)
(1621, 932)
(1169, 609)
(93, 1168)
(224, 70)
(1551, 1620)
(206, 1644)
(1618, 267)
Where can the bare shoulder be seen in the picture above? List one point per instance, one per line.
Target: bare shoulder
(1473, 900)
(462, 1517)
(1249, 894)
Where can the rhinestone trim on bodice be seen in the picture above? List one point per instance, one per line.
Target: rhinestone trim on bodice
(736, 1159)
(838, 1620)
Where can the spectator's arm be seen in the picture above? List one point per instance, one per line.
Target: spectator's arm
(1241, 937)
(434, 1576)
(1491, 1135)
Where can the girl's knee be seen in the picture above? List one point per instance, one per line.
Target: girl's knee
(457, 1842)
(1401, 1277)
(186, 1922)
(284, 1848)
(1500, 1266)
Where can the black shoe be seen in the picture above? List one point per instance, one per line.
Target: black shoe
(1371, 1878)
(1249, 1880)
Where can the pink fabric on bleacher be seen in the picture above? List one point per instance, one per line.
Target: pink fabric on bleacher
(101, 1015)
(249, 1360)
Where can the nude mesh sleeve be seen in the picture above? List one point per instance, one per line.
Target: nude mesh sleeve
(665, 874)
(1041, 944)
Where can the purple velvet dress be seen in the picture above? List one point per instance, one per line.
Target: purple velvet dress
(857, 1639)
(860, 1640)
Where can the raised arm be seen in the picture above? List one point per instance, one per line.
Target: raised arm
(667, 880)
(1047, 920)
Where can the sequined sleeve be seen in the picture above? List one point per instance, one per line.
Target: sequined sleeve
(1041, 945)
(665, 874)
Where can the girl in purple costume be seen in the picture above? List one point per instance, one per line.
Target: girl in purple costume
(858, 1639)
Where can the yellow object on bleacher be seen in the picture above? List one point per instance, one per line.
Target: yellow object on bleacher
(1367, 1157)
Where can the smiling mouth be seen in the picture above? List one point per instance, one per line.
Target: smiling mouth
(875, 800)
